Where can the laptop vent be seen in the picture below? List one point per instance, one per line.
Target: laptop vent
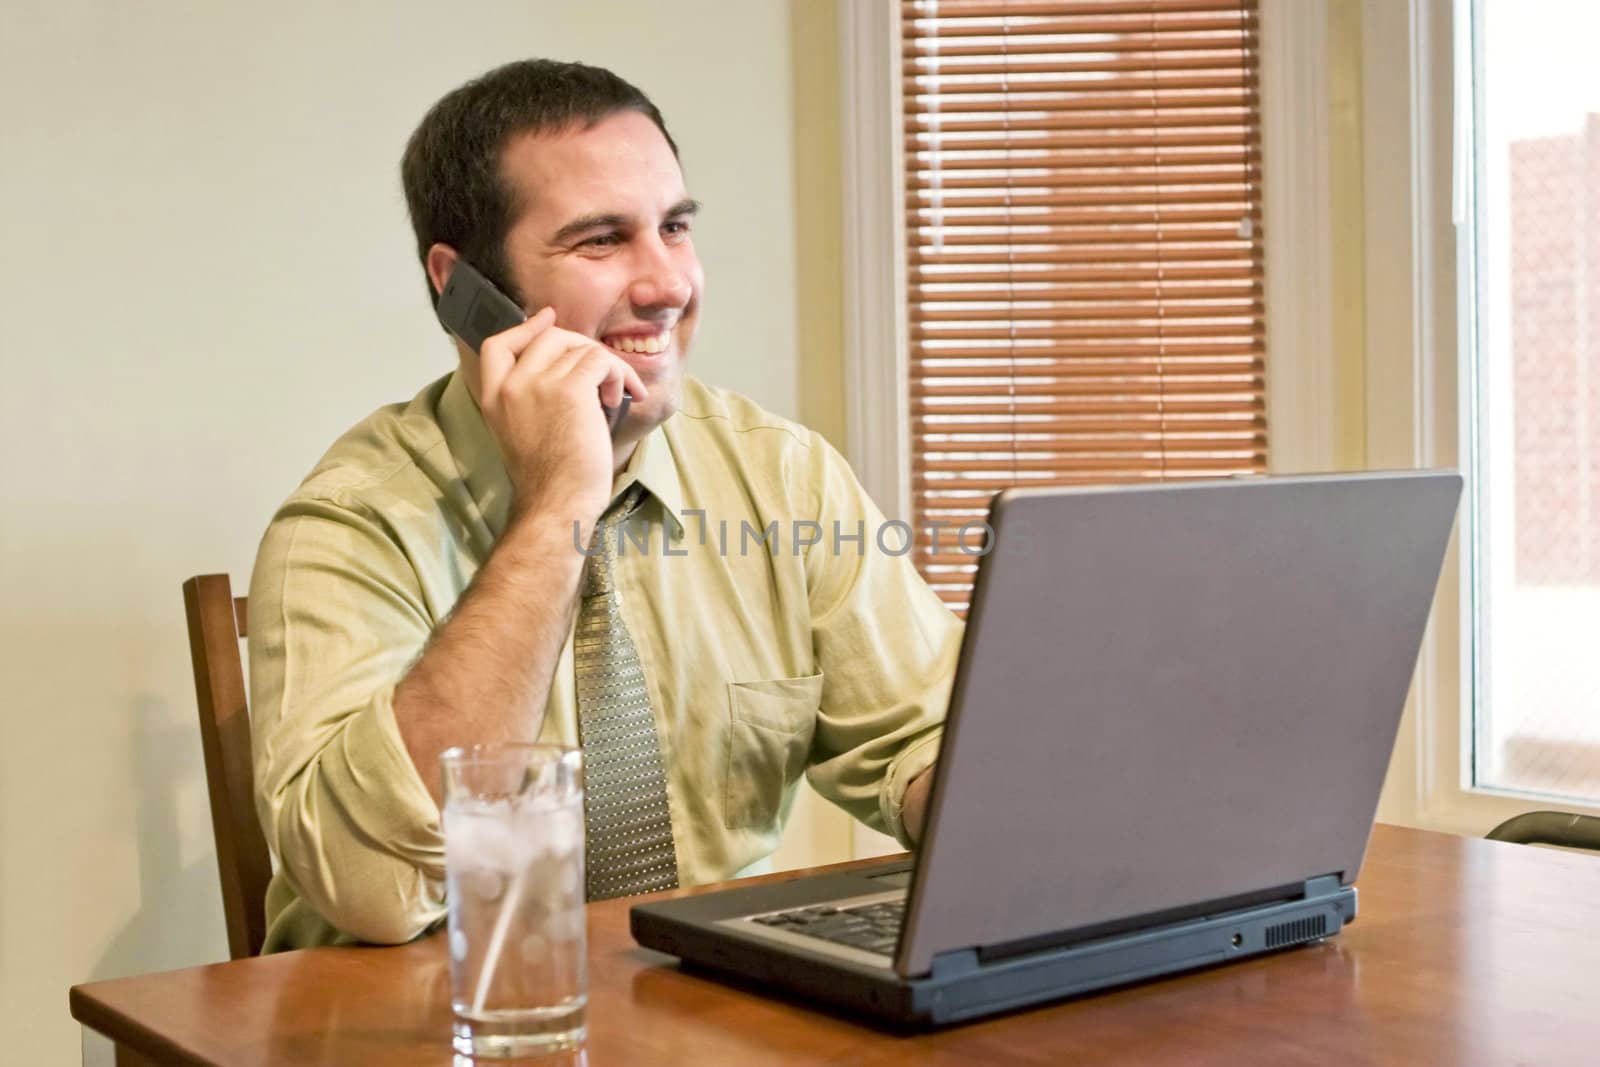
(1300, 930)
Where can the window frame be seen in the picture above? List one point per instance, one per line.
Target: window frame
(1419, 300)
(877, 382)
(873, 276)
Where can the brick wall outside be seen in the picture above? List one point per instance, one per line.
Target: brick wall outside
(1555, 328)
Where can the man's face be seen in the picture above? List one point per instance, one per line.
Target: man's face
(603, 238)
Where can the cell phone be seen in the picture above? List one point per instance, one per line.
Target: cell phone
(473, 308)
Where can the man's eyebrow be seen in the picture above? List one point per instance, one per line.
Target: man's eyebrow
(602, 220)
(587, 222)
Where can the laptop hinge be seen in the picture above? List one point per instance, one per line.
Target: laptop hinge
(1027, 946)
(959, 961)
(1323, 885)
(955, 963)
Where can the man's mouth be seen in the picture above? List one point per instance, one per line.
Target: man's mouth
(639, 344)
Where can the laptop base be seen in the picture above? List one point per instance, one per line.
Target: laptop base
(962, 987)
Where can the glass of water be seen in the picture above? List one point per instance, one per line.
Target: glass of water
(513, 832)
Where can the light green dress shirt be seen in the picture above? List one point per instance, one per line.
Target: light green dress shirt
(767, 656)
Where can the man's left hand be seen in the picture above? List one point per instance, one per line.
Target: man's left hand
(915, 808)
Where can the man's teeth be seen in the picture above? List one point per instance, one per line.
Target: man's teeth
(642, 345)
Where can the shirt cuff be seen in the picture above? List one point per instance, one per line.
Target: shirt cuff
(360, 837)
(912, 761)
(385, 784)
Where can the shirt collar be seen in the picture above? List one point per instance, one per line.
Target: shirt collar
(653, 466)
(477, 456)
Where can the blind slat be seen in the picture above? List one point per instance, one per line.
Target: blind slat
(1166, 314)
(1124, 193)
(981, 111)
(1154, 191)
(1157, 442)
(1006, 135)
(1218, 110)
(1094, 275)
(1158, 365)
(1017, 43)
(931, 357)
(1083, 405)
(948, 9)
(1124, 179)
(1020, 95)
(924, 425)
(1095, 98)
(1221, 465)
(943, 29)
(922, 69)
(1177, 258)
(1013, 140)
(940, 294)
(1169, 388)
(1150, 137)
(970, 333)
(1094, 120)
(1210, 237)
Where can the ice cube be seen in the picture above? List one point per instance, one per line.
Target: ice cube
(567, 924)
(484, 883)
(535, 947)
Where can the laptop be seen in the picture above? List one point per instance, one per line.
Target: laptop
(1170, 722)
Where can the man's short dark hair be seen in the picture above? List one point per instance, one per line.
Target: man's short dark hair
(451, 167)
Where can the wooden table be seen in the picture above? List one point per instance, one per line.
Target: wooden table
(1465, 952)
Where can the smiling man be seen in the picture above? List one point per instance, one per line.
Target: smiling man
(464, 568)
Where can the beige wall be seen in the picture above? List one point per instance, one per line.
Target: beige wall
(1349, 243)
(819, 251)
(208, 275)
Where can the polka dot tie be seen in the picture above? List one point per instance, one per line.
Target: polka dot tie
(630, 847)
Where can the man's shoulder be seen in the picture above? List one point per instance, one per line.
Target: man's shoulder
(388, 446)
(736, 421)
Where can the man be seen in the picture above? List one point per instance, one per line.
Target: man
(421, 589)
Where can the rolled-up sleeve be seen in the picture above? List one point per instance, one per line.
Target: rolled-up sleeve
(885, 644)
(336, 618)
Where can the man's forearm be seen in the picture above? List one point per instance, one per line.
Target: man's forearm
(485, 674)
(914, 810)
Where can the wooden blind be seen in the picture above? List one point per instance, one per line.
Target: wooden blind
(1083, 224)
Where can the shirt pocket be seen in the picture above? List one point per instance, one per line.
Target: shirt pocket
(769, 740)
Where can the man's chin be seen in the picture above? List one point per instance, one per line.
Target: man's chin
(664, 402)
(666, 394)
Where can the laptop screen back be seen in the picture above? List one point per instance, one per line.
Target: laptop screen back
(1171, 695)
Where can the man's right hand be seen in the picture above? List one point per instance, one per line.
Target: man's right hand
(486, 672)
(540, 389)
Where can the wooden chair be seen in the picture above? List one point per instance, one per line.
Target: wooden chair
(1561, 828)
(216, 626)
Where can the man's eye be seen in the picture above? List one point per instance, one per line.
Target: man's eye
(679, 228)
(604, 240)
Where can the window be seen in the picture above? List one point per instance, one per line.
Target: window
(1084, 252)
(1534, 381)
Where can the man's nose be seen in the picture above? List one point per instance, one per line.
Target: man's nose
(663, 278)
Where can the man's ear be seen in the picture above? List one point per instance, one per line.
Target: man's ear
(441, 260)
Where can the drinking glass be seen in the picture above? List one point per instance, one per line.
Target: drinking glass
(513, 831)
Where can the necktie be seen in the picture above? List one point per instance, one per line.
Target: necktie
(630, 848)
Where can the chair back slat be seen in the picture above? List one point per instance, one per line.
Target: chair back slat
(1564, 829)
(216, 625)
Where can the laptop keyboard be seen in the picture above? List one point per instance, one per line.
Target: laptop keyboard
(871, 927)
